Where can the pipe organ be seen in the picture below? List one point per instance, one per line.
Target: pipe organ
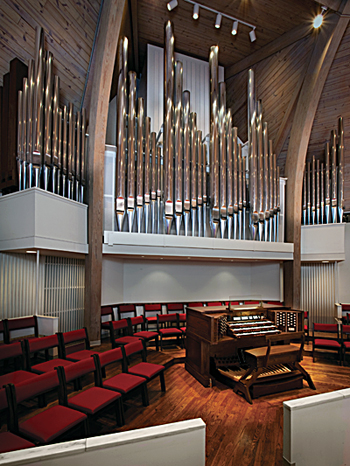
(51, 142)
(187, 183)
(323, 187)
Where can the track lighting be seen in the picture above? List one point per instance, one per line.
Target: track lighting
(234, 28)
(252, 35)
(319, 18)
(218, 20)
(171, 5)
(196, 6)
(196, 11)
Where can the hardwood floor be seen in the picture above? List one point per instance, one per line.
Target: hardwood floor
(237, 432)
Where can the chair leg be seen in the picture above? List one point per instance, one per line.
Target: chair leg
(144, 393)
(119, 412)
(161, 343)
(162, 381)
(86, 428)
(157, 343)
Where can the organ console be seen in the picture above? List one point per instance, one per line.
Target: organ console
(241, 346)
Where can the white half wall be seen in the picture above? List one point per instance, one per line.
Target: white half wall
(344, 270)
(139, 281)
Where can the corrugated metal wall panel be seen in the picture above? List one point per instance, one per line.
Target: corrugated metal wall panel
(319, 291)
(60, 292)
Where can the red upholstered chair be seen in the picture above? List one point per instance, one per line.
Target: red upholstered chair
(143, 369)
(90, 401)
(140, 322)
(177, 308)
(44, 344)
(150, 311)
(8, 440)
(327, 338)
(168, 327)
(75, 345)
(4, 336)
(46, 426)
(306, 324)
(14, 351)
(214, 303)
(29, 323)
(252, 302)
(107, 315)
(126, 310)
(117, 327)
(196, 304)
(345, 337)
(123, 382)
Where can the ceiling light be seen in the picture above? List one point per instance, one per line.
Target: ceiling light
(171, 5)
(196, 11)
(234, 28)
(30, 252)
(252, 35)
(319, 18)
(218, 20)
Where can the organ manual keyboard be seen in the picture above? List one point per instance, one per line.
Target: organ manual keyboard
(220, 342)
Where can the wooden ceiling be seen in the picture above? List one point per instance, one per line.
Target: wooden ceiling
(70, 26)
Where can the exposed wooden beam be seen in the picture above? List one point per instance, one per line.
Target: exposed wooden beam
(332, 4)
(135, 34)
(287, 121)
(280, 43)
(105, 53)
(326, 46)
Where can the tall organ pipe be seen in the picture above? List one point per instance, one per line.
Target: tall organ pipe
(266, 206)
(260, 164)
(168, 124)
(327, 200)
(55, 130)
(121, 129)
(193, 171)
(223, 158)
(19, 137)
(200, 182)
(340, 169)
(230, 174)
(47, 161)
(77, 155)
(318, 205)
(64, 153)
(140, 162)
(187, 160)
(147, 184)
(240, 192)
(24, 133)
(131, 150)
(252, 156)
(214, 137)
(271, 222)
(31, 89)
(83, 153)
(334, 176)
(178, 145)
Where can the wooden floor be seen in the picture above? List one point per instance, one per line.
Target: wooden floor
(237, 433)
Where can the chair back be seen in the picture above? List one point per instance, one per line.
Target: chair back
(4, 331)
(326, 328)
(78, 369)
(214, 303)
(107, 311)
(13, 350)
(134, 322)
(73, 341)
(21, 323)
(42, 343)
(134, 348)
(126, 310)
(175, 307)
(167, 320)
(195, 304)
(346, 330)
(36, 386)
(109, 357)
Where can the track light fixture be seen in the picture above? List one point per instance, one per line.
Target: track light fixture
(195, 11)
(218, 20)
(172, 4)
(319, 18)
(196, 6)
(252, 35)
(234, 28)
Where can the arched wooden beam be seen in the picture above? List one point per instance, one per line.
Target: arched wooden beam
(105, 54)
(326, 46)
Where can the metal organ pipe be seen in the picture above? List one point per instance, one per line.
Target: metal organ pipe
(140, 162)
(231, 173)
(147, 177)
(187, 160)
(178, 145)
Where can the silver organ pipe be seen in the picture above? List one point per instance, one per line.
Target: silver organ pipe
(131, 149)
(193, 119)
(271, 204)
(200, 182)
(46, 129)
(260, 164)
(19, 137)
(205, 195)
(178, 145)
(186, 158)
(323, 189)
(147, 185)
(240, 192)
(223, 165)
(266, 208)
(140, 162)
(231, 174)
(153, 181)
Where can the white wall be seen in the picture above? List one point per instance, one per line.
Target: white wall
(344, 270)
(141, 281)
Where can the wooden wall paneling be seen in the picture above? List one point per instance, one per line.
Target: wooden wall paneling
(4, 141)
(105, 54)
(326, 46)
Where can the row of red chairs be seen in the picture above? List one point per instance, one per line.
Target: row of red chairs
(128, 330)
(79, 410)
(331, 337)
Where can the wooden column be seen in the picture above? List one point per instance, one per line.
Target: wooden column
(101, 79)
(326, 46)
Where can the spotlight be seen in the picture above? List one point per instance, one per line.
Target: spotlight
(196, 11)
(252, 35)
(218, 20)
(234, 28)
(171, 5)
(319, 18)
